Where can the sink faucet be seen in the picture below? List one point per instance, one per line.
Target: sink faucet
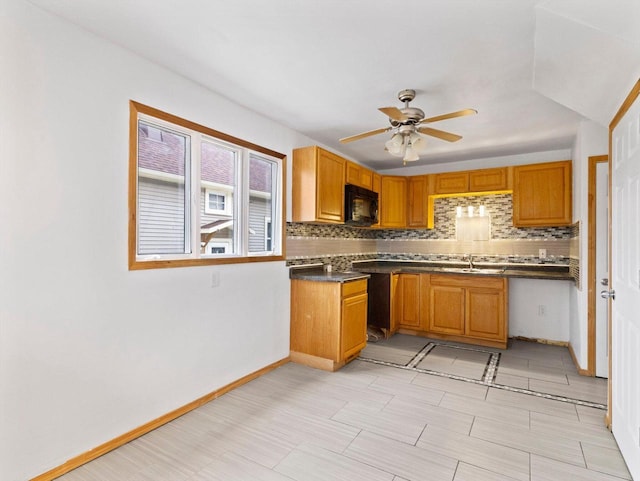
(469, 257)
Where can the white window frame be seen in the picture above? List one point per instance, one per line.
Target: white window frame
(228, 202)
(267, 238)
(237, 209)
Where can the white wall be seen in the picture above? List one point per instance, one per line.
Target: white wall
(88, 349)
(592, 139)
(539, 309)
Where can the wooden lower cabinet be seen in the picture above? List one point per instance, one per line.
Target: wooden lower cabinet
(408, 309)
(328, 322)
(469, 309)
(446, 310)
(464, 308)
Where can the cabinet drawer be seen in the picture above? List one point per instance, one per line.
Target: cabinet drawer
(354, 287)
(467, 281)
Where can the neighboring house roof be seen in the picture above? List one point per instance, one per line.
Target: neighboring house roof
(164, 151)
(215, 226)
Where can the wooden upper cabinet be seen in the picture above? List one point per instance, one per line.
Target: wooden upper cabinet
(318, 186)
(418, 192)
(542, 194)
(358, 175)
(393, 201)
(451, 183)
(486, 180)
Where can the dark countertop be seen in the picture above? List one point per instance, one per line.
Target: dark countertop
(362, 270)
(527, 271)
(316, 272)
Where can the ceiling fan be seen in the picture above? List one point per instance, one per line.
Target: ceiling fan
(407, 125)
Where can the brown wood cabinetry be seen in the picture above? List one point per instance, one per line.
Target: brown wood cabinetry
(328, 322)
(412, 312)
(418, 192)
(358, 175)
(484, 180)
(542, 194)
(451, 183)
(318, 186)
(393, 201)
(468, 309)
(487, 180)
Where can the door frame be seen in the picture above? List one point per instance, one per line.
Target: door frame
(592, 282)
(624, 108)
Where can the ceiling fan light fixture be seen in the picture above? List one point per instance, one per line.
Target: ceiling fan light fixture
(395, 144)
(418, 142)
(410, 154)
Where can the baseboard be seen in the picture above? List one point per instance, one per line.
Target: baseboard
(582, 372)
(78, 461)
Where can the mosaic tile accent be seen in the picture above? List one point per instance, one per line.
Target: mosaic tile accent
(574, 254)
(309, 242)
(338, 263)
(299, 229)
(488, 379)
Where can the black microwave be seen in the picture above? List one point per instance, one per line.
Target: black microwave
(360, 206)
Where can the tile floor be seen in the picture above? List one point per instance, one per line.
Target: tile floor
(373, 422)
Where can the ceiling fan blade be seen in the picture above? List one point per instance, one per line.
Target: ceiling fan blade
(459, 113)
(394, 113)
(364, 134)
(441, 134)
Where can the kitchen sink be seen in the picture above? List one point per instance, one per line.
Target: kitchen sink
(472, 270)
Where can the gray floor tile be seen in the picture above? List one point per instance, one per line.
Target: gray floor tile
(425, 413)
(531, 403)
(467, 472)
(231, 466)
(565, 450)
(409, 462)
(480, 453)
(312, 463)
(451, 385)
(546, 469)
(605, 460)
(476, 407)
(594, 434)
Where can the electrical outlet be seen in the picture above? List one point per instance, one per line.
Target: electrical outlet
(542, 253)
(542, 310)
(215, 279)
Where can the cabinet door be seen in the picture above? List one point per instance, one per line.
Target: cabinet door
(366, 178)
(330, 187)
(446, 315)
(451, 183)
(542, 194)
(418, 191)
(354, 325)
(485, 314)
(393, 202)
(488, 179)
(409, 296)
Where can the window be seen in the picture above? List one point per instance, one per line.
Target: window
(198, 196)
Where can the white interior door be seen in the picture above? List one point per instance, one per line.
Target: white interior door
(602, 268)
(625, 281)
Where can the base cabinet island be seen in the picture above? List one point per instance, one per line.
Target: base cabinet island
(328, 321)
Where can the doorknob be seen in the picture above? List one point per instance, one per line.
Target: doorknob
(604, 281)
(608, 294)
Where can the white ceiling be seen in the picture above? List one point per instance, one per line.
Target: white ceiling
(324, 67)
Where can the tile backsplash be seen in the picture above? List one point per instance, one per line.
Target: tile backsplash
(340, 244)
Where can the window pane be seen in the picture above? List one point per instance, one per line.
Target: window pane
(162, 211)
(218, 173)
(261, 193)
